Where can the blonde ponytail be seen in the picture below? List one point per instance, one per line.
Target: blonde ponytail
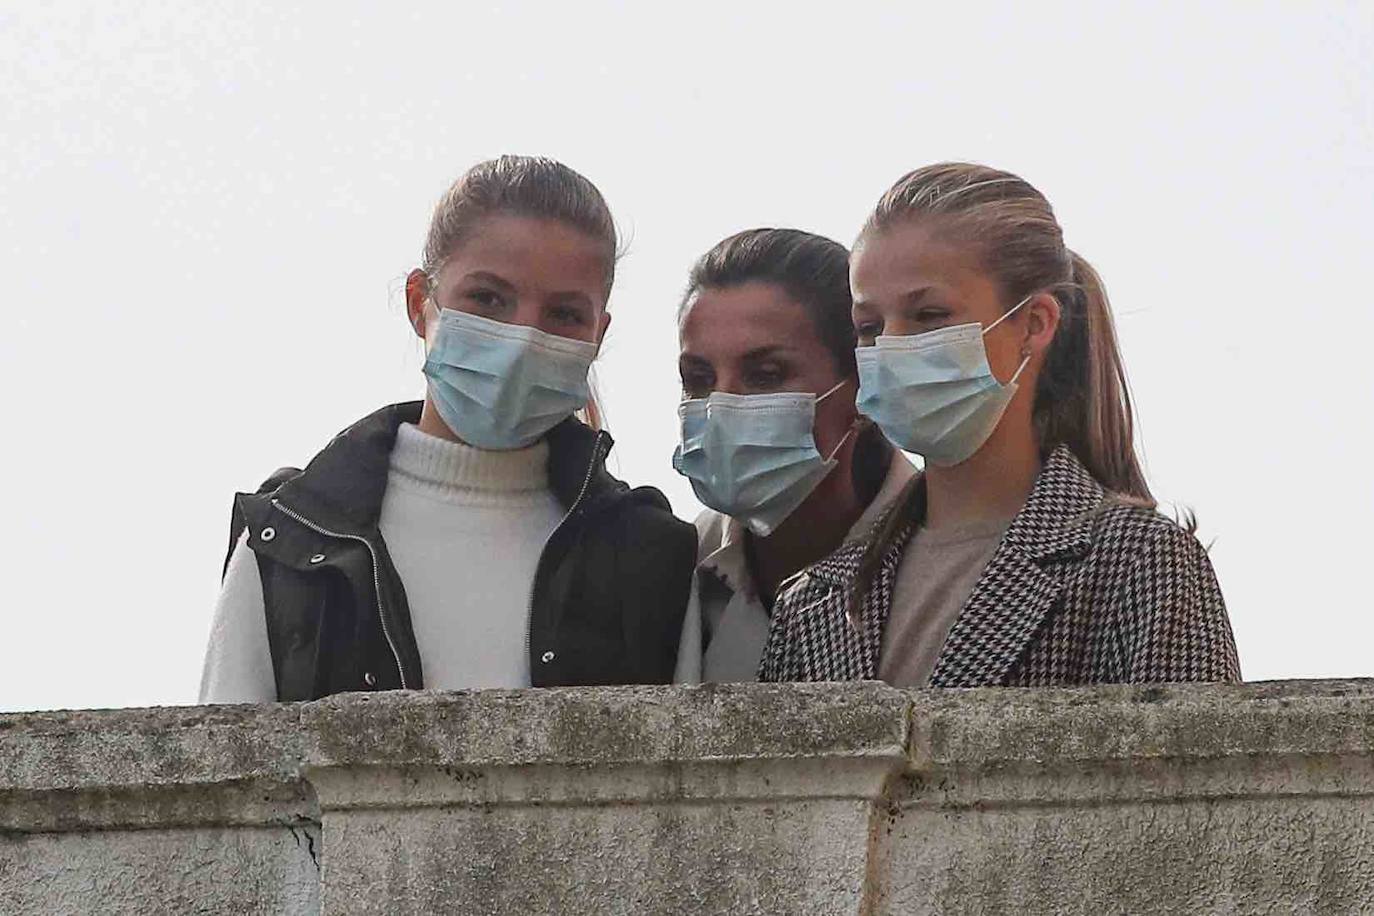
(1082, 399)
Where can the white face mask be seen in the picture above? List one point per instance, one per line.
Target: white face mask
(934, 393)
(753, 456)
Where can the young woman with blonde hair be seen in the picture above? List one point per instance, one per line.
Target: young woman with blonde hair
(1029, 551)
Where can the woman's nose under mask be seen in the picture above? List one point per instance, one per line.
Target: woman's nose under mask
(753, 457)
(934, 393)
(503, 386)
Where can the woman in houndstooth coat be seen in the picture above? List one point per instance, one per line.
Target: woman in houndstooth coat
(1029, 552)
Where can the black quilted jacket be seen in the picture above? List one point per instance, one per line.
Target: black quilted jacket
(1082, 590)
(607, 599)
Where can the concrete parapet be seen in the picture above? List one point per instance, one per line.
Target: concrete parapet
(853, 798)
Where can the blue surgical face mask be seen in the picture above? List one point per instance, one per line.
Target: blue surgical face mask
(753, 456)
(503, 386)
(934, 393)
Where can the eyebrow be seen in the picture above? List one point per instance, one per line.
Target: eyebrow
(765, 352)
(914, 297)
(489, 278)
(572, 297)
(758, 353)
(909, 299)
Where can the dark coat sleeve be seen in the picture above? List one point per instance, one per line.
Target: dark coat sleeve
(1176, 627)
(660, 554)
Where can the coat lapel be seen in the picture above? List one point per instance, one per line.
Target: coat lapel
(1001, 615)
(852, 645)
(1021, 583)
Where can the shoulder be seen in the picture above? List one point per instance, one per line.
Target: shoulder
(277, 478)
(1168, 607)
(1125, 521)
(1142, 538)
(643, 516)
(638, 548)
(252, 505)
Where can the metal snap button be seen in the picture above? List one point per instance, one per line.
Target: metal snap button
(546, 657)
(370, 679)
(317, 558)
(267, 534)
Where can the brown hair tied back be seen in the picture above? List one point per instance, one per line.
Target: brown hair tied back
(530, 186)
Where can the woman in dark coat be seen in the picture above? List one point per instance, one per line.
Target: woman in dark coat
(474, 539)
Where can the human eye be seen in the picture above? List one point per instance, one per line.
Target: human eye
(768, 376)
(569, 315)
(696, 383)
(486, 300)
(931, 317)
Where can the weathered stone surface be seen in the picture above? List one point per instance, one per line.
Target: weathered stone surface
(609, 725)
(211, 870)
(748, 799)
(1214, 856)
(697, 800)
(1135, 800)
(197, 810)
(655, 857)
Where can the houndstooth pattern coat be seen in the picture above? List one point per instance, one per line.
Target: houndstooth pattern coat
(1083, 589)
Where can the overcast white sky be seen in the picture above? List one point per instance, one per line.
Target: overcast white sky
(206, 209)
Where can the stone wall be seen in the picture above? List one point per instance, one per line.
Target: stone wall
(761, 799)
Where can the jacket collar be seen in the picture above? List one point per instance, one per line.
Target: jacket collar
(1024, 578)
(577, 460)
(1057, 519)
(722, 537)
(342, 487)
(1054, 524)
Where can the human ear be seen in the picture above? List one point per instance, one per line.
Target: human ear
(1042, 321)
(417, 293)
(602, 325)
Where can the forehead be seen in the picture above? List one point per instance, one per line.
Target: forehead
(896, 260)
(723, 322)
(530, 252)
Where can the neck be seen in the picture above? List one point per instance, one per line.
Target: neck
(993, 484)
(431, 424)
(814, 530)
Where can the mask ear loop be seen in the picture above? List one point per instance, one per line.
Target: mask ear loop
(838, 385)
(1008, 313)
(1005, 315)
(839, 445)
(430, 300)
(1019, 369)
(849, 432)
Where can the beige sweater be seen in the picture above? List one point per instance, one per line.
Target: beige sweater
(935, 577)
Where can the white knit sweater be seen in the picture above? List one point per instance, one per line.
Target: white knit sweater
(465, 528)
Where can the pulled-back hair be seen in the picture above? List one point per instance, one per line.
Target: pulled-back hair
(1081, 399)
(530, 186)
(812, 270)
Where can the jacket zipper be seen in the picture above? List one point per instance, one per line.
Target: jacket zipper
(376, 580)
(581, 494)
